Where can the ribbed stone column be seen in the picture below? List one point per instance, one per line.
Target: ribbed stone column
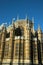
(12, 44)
(27, 48)
(0, 46)
(3, 44)
(40, 55)
(16, 50)
(35, 52)
(21, 50)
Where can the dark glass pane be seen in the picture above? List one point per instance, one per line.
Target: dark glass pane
(8, 35)
(18, 32)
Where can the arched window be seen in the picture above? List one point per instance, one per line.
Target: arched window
(6, 50)
(18, 32)
(8, 35)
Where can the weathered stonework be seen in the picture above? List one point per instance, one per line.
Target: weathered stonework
(21, 44)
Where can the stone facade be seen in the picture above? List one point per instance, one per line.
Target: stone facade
(20, 44)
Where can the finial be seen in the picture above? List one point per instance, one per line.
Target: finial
(17, 17)
(33, 20)
(13, 19)
(33, 23)
(3, 27)
(26, 17)
(39, 28)
(12, 23)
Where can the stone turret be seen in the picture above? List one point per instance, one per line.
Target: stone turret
(27, 43)
(12, 42)
(40, 44)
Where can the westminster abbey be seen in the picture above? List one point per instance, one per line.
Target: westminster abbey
(20, 44)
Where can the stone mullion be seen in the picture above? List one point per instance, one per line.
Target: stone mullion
(6, 51)
(19, 50)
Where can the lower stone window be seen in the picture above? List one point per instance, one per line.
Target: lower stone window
(6, 51)
(17, 51)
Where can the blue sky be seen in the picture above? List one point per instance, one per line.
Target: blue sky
(11, 8)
